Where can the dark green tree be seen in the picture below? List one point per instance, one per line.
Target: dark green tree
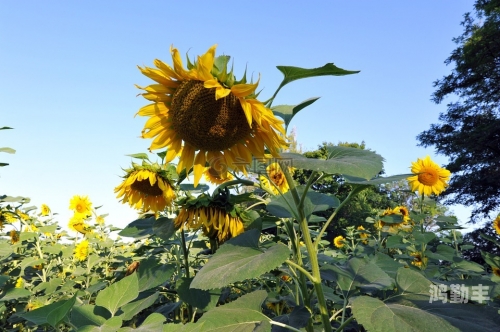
(469, 131)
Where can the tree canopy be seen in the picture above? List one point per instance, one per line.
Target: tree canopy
(469, 131)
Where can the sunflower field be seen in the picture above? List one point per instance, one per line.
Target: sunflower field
(235, 234)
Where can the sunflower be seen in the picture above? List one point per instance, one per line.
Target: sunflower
(219, 220)
(82, 250)
(81, 205)
(496, 271)
(146, 187)
(19, 283)
(419, 260)
(215, 177)
(203, 113)
(429, 177)
(339, 241)
(393, 227)
(277, 179)
(44, 210)
(77, 224)
(14, 236)
(362, 234)
(496, 224)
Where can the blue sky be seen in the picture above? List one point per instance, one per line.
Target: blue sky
(68, 69)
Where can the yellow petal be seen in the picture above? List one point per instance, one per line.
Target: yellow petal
(199, 167)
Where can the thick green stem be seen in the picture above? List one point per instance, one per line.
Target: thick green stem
(311, 249)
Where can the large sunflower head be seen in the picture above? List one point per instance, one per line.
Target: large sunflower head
(429, 178)
(147, 187)
(275, 179)
(217, 217)
(203, 112)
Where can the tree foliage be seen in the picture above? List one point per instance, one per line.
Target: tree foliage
(469, 132)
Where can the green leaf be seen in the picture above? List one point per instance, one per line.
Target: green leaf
(48, 229)
(190, 187)
(14, 294)
(284, 206)
(139, 228)
(242, 315)
(298, 318)
(111, 325)
(414, 313)
(8, 150)
(88, 314)
(424, 237)
(153, 322)
(3, 128)
(362, 164)
(410, 281)
(142, 156)
(291, 73)
(375, 181)
(51, 314)
(118, 294)
(133, 308)
(3, 280)
(5, 249)
(201, 299)
(239, 259)
(164, 228)
(387, 264)
(395, 241)
(152, 274)
(287, 112)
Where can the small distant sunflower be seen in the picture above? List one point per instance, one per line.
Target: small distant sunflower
(419, 260)
(215, 177)
(278, 181)
(218, 219)
(99, 220)
(339, 241)
(44, 210)
(429, 178)
(204, 113)
(82, 250)
(405, 223)
(496, 224)
(77, 224)
(496, 271)
(14, 236)
(22, 215)
(19, 283)
(81, 205)
(146, 187)
(362, 235)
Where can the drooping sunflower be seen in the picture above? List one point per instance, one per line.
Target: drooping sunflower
(81, 205)
(82, 250)
(400, 221)
(77, 224)
(217, 217)
(362, 234)
(429, 177)
(419, 260)
(14, 236)
(277, 179)
(203, 112)
(339, 241)
(496, 224)
(495, 270)
(147, 187)
(215, 177)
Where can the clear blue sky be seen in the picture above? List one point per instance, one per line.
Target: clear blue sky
(68, 69)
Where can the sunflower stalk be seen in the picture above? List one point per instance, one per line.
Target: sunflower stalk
(313, 256)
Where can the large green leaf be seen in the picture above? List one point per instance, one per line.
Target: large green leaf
(284, 206)
(88, 314)
(201, 299)
(361, 164)
(239, 259)
(242, 315)
(287, 112)
(51, 314)
(139, 228)
(14, 294)
(291, 73)
(153, 322)
(133, 308)
(5, 249)
(118, 294)
(152, 274)
(375, 181)
(164, 228)
(410, 281)
(111, 325)
(357, 273)
(414, 313)
(7, 150)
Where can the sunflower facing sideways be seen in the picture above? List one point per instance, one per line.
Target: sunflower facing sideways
(203, 113)
(429, 178)
(275, 180)
(146, 187)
